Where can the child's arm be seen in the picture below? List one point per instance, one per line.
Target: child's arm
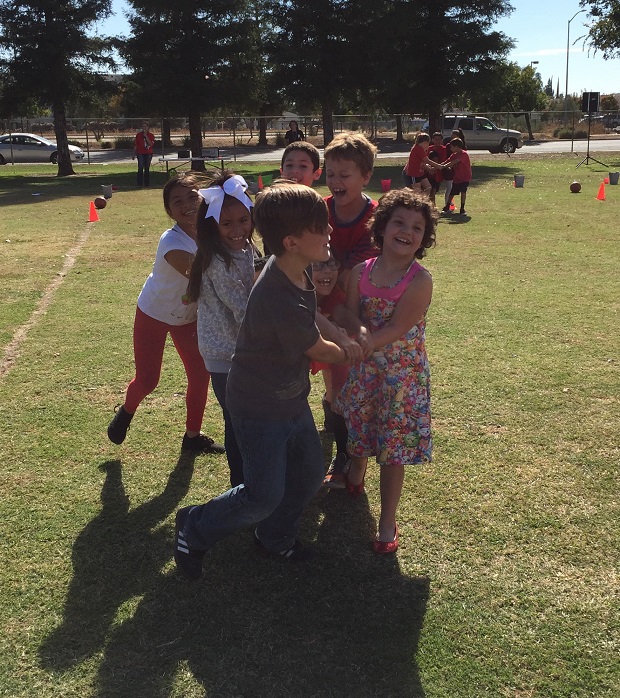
(331, 334)
(328, 352)
(353, 308)
(345, 318)
(180, 260)
(409, 310)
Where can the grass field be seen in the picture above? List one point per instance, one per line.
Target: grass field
(506, 584)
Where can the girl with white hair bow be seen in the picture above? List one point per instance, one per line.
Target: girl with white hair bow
(220, 280)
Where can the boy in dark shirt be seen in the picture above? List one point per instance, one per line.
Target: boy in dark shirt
(267, 390)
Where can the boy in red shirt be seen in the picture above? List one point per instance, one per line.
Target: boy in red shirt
(143, 150)
(460, 163)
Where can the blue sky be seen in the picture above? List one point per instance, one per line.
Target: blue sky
(540, 30)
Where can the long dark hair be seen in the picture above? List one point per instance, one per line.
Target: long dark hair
(208, 238)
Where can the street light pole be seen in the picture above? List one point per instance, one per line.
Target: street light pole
(567, 55)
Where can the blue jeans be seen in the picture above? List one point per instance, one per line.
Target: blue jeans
(144, 163)
(233, 454)
(282, 469)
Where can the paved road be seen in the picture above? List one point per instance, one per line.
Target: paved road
(275, 155)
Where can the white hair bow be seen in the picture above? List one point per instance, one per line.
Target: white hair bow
(214, 196)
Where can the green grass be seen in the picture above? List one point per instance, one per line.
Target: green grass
(506, 583)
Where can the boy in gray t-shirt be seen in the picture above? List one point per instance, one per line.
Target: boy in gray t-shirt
(267, 390)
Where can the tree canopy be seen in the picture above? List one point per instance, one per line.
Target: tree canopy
(47, 57)
(604, 33)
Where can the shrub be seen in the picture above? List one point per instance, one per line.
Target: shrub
(566, 133)
(105, 145)
(124, 143)
(280, 142)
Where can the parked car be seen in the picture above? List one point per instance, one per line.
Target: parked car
(28, 147)
(481, 133)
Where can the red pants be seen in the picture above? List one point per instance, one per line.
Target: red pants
(149, 339)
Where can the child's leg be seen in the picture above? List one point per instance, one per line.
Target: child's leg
(391, 485)
(149, 339)
(233, 454)
(447, 197)
(463, 197)
(326, 402)
(357, 470)
(186, 343)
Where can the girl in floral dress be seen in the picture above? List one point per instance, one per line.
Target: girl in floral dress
(386, 400)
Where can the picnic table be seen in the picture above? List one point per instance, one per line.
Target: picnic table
(209, 157)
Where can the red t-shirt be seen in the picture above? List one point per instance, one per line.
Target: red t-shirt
(414, 164)
(462, 169)
(351, 242)
(142, 148)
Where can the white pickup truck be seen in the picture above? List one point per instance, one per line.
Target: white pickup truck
(481, 133)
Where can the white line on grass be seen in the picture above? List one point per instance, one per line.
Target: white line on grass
(12, 350)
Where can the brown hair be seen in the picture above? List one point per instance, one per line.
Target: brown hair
(287, 208)
(413, 200)
(355, 147)
(310, 150)
(208, 238)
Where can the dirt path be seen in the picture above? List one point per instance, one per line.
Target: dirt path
(13, 348)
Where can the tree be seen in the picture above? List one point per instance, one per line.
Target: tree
(609, 103)
(415, 45)
(47, 57)
(604, 32)
(549, 88)
(511, 88)
(190, 56)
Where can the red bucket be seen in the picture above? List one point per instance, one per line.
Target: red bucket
(386, 184)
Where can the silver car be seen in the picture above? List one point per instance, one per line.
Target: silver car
(28, 147)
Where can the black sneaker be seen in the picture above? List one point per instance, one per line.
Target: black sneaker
(188, 562)
(201, 444)
(298, 552)
(117, 429)
(446, 209)
(335, 479)
(462, 212)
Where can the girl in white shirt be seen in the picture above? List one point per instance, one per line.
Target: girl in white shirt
(164, 308)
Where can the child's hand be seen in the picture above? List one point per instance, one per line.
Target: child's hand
(365, 341)
(351, 348)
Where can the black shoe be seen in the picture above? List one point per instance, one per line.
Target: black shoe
(462, 212)
(335, 478)
(188, 562)
(446, 209)
(298, 552)
(117, 429)
(328, 421)
(201, 444)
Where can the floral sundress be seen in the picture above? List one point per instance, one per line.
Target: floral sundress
(386, 401)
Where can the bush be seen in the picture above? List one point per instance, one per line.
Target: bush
(280, 142)
(566, 133)
(124, 143)
(105, 145)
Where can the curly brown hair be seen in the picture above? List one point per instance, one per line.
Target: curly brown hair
(412, 200)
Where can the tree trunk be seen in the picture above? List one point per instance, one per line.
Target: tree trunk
(434, 118)
(328, 123)
(165, 133)
(195, 139)
(262, 126)
(528, 123)
(65, 168)
(399, 128)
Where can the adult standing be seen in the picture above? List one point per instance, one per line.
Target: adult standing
(293, 134)
(143, 150)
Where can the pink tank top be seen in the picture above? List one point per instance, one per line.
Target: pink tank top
(391, 293)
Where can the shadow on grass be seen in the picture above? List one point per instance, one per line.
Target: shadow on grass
(36, 188)
(347, 624)
(118, 555)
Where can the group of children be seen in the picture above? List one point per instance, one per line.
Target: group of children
(432, 162)
(343, 291)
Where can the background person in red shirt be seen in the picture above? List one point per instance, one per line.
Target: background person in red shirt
(143, 150)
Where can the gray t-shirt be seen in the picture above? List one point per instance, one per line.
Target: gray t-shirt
(269, 376)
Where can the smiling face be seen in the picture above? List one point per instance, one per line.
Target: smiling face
(404, 232)
(312, 246)
(182, 207)
(235, 226)
(345, 180)
(298, 167)
(324, 276)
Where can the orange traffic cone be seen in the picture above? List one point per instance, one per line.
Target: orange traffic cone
(260, 181)
(601, 192)
(93, 217)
